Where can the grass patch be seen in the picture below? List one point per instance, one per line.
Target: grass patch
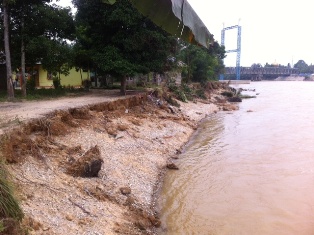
(3, 95)
(43, 93)
(9, 207)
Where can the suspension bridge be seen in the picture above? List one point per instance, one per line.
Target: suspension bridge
(256, 73)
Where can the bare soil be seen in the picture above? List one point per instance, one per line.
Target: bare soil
(92, 164)
(12, 113)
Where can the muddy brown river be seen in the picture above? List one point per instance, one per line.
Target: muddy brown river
(248, 173)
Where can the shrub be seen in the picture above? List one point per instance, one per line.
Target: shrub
(2, 227)
(181, 96)
(186, 88)
(187, 91)
(9, 207)
(56, 83)
(201, 94)
(86, 83)
(171, 101)
(31, 84)
(173, 87)
(70, 88)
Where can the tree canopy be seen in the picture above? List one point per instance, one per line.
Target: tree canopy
(113, 39)
(303, 67)
(37, 30)
(202, 64)
(121, 41)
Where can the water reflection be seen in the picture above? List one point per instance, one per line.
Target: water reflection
(248, 172)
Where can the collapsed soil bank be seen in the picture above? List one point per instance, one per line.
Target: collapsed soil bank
(135, 139)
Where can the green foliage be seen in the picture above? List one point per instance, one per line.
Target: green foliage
(9, 207)
(32, 20)
(37, 23)
(303, 67)
(56, 83)
(86, 83)
(57, 60)
(187, 91)
(201, 94)
(118, 40)
(2, 227)
(173, 87)
(41, 94)
(181, 95)
(178, 91)
(3, 95)
(31, 84)
(109, 1)
(186, 88)
(201, 64)
(170, 99)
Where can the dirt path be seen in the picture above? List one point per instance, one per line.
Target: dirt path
(12, 113)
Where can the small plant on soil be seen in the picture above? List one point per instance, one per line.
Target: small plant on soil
(10, 211)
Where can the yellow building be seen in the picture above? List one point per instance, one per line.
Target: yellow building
(44, 79)
(74, 78)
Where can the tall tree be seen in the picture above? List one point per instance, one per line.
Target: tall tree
(32, 24)
(122, 41)
(6, 25)
(22, 16)
(59, 60)
(35, 23)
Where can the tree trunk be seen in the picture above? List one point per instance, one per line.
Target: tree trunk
(6, 24)
(189, 69)
(23, 85)
(123, 85)
(81, 76)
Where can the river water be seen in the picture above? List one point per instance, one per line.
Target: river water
(248, 173)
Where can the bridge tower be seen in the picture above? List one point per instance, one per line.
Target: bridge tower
(238, 50)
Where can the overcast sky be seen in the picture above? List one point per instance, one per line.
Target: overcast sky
(272, 30)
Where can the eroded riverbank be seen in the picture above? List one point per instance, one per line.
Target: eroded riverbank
(134, 138)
